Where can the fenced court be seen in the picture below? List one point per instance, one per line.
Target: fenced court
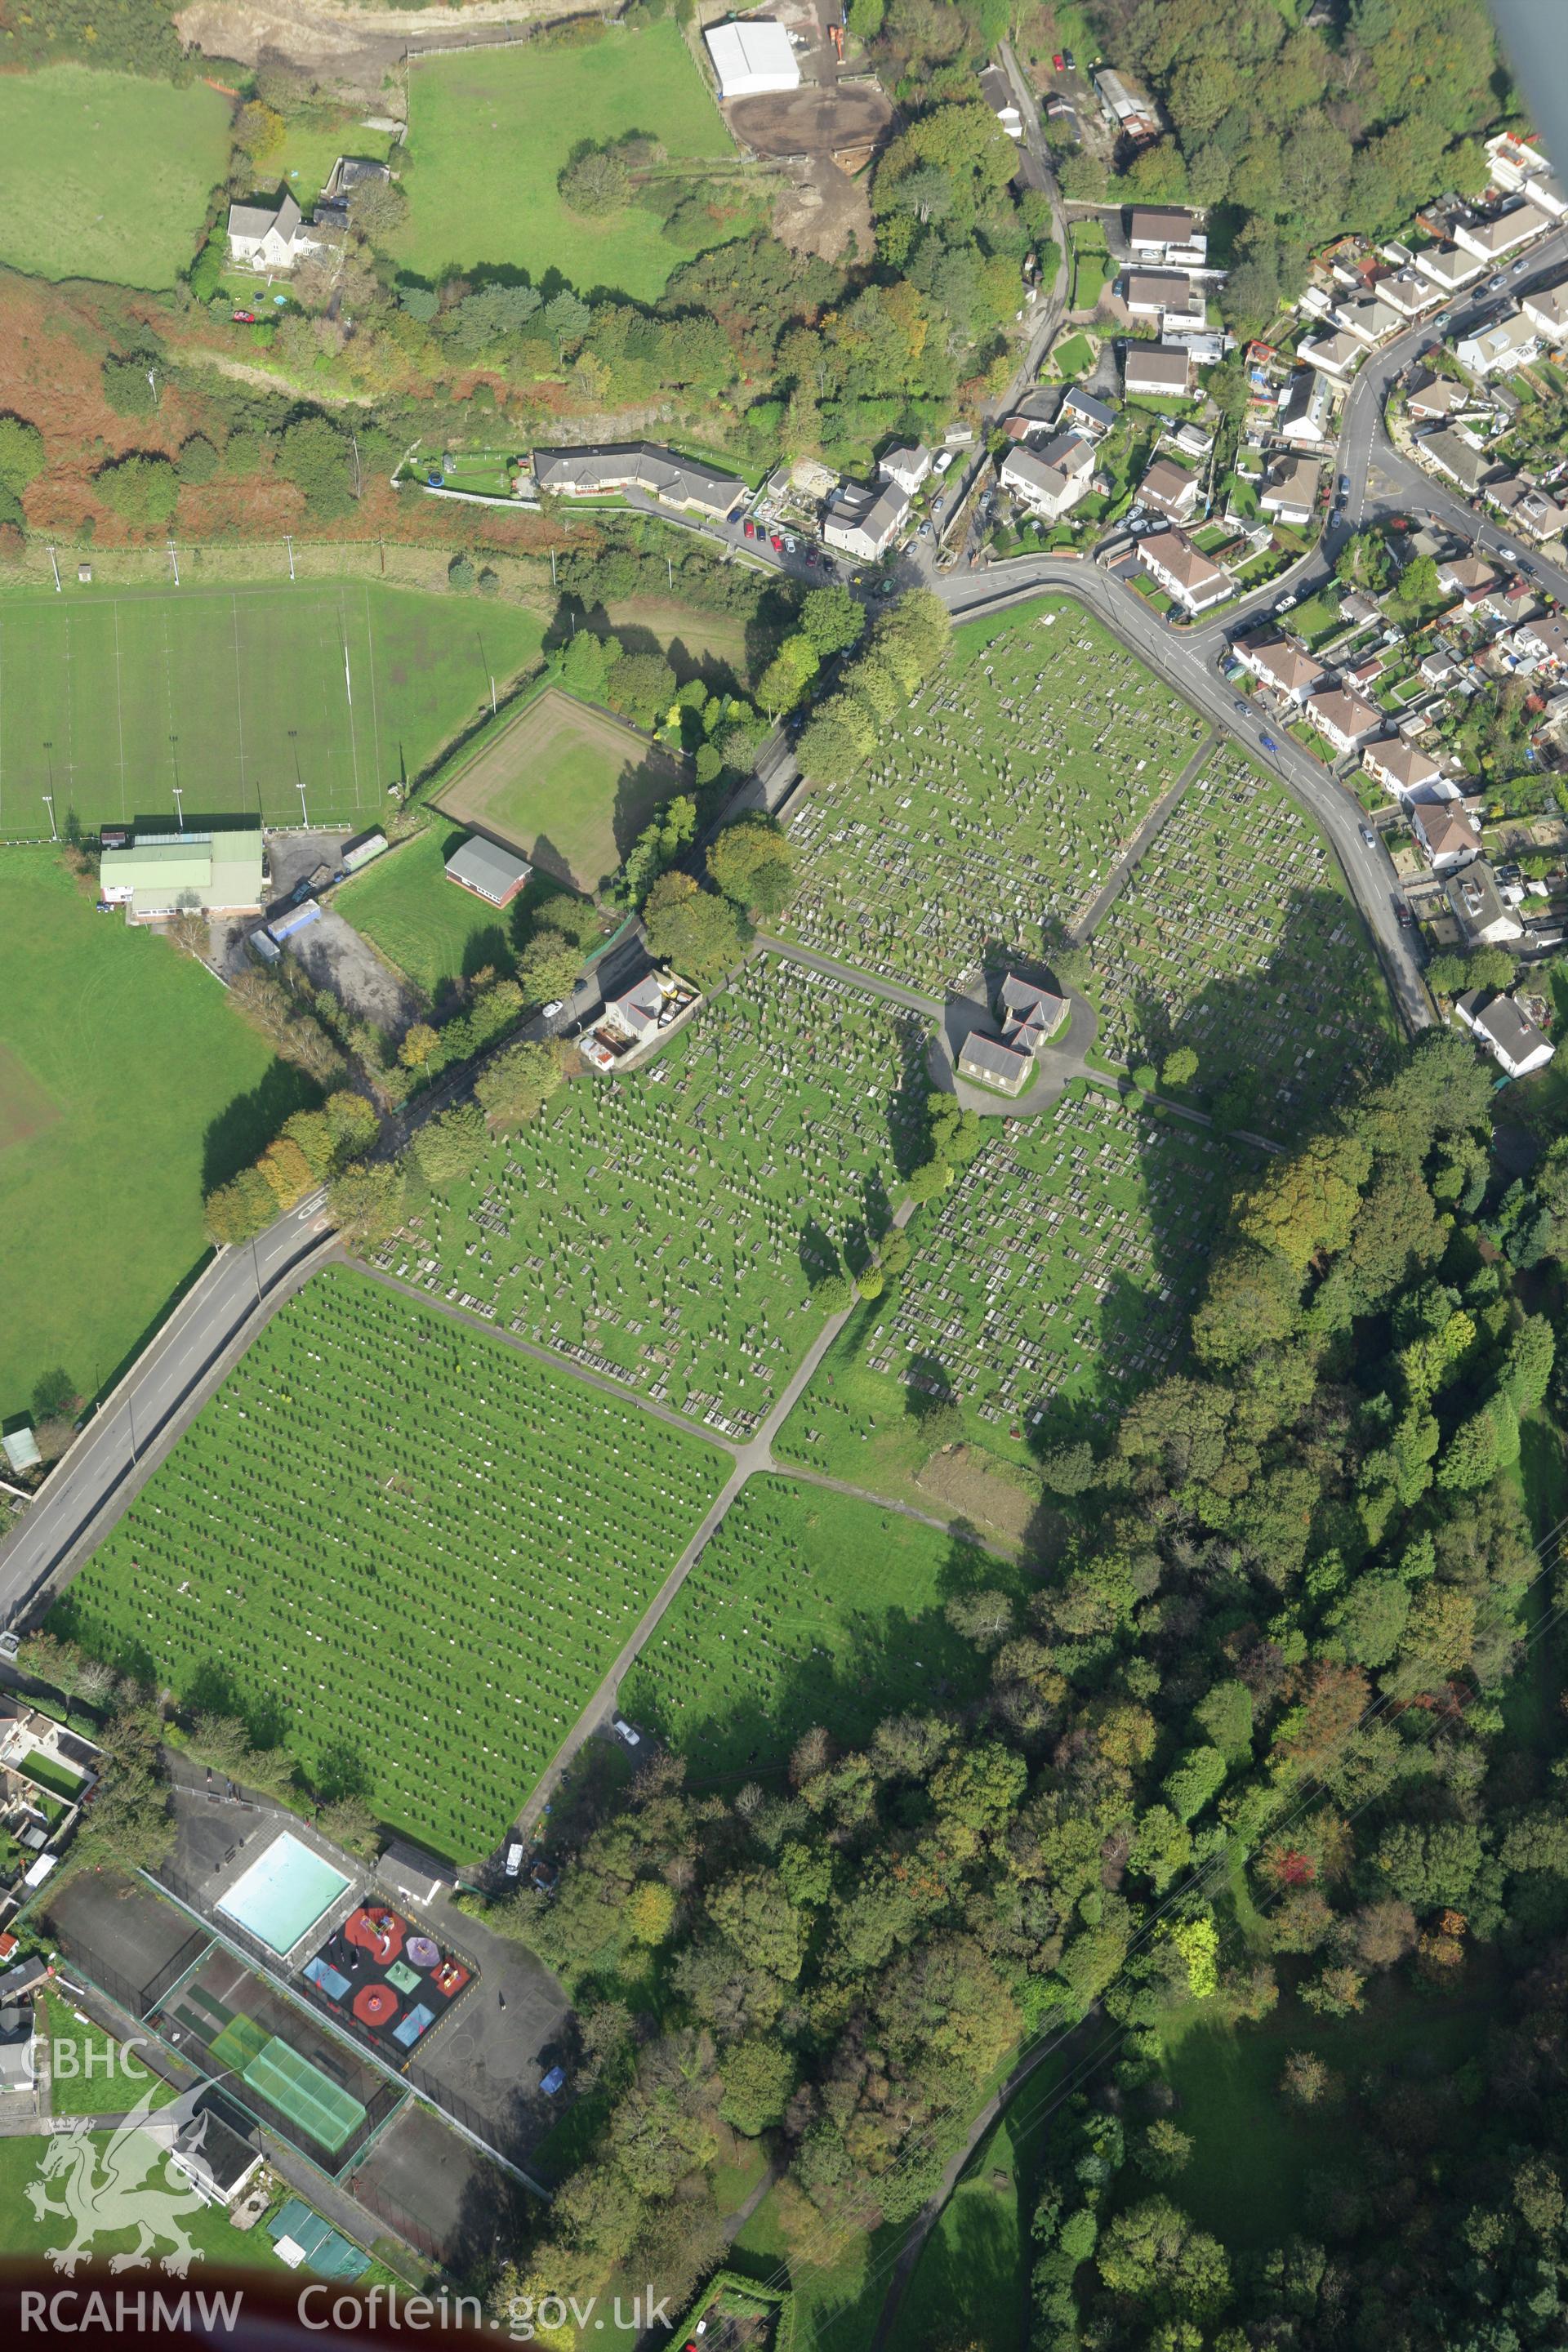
(568, 786)
(306, 700)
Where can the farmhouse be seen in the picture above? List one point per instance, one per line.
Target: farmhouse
(491, 872)
(1291, 489)
(1169, 489)
(753, 58)
(1030, 1018)
(1172, 559)
(1163, 370)
(268, 236)
(166, 874)
(1507, 1032)
(1052, 479)
(863, 523)
(664, 474)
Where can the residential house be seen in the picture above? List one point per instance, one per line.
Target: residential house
(1466, 576)
(1446, 835)
(1030, 1017)
(1514, 163)
(1485, 919)
(1171, 489)
(1335, 354)
(1289, 490)
(1489, 240)
(1306, 406)
(1168, 234)
(1455, 453)
(863, 523)
(1432, 398)
(1085, 413)
(1280, 663)
(997, 92)
(905, 464)
(270, 236)
(1509, 342)
(1051, 480)
(1448, 268)
(1404, 772)
(753, 58)
(1547, 310)
(1343, 719)
(189, 872)
(1156, 370)
(1192, 439)
(214, 2156)
(489, 871)
(1195, 582)
(349, 173)
(1168, 295)
(1371, 320)
(662, 473)
(1542, 643)
(1530, 509)
(1506, 1031)
(636, 1018)
(1549, 196)
(1406, 291)
(1441, 665)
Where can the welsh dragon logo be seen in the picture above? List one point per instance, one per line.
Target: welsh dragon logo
(127, 2184)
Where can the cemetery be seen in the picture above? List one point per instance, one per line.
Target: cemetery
(994, 804)
(413, 1583)
(807, 1607)
(663, 1229)
(1047, 1285)
(1235, 937)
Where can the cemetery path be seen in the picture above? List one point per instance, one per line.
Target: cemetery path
(892, 991)
(883, 1502)
(1116, 881)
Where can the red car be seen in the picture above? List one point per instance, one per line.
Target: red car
(1057, 62)
(776, 542)
(243, 318)
(751, 528)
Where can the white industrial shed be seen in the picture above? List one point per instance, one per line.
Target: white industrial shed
(752, 58)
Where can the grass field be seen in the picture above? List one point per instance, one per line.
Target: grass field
(110, 699)
(665, 1226)
(808, 1608)
(138, 1088)
(1000, 797)
(90, 2073)
(106, 175)
(1047, 1287)
(220, 2245)
(1236, 919)
(414, 1582)
(491, 133)
(432, 931)
(304, 162)
(568, 786)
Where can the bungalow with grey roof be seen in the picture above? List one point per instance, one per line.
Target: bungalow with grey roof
(489, 871)
(1449, 268)
(1509, 1034)
(662, 473)
(1504, 232)
(1455, 454)
(1159, 370)
(1485, 919)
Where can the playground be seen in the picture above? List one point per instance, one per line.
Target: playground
(387, 1980)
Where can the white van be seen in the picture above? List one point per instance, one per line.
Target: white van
(513, 1858)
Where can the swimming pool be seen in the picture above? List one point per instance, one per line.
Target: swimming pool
(284, 1893)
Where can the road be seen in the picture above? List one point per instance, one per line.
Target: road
(100, 1475)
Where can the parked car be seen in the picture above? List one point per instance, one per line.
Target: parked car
(776, 542)
(789, 544)
(1495, 285)
(1368, 835)
(552, 1008)
(811, 555)
(1059, 61)
(514, 1858)
(1269, 743)
(945, 458)
(243, 318)
(1344, 486)
(1519, 268)
(751, 528)
(1402, 909)
(623, 1730)
(1069, 61)
(553, 2084)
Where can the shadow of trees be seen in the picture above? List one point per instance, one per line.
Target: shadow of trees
(244, 1127)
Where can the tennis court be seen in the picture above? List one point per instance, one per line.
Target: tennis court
(284, 1891)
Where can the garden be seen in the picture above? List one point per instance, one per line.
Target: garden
(1047, 1285)
(994, 804)
(663, 1229)
(107, 175)
(490, 132)
(569, 786)
(253, 699)
(128, 1088)
(808, 1608)
(1237, 939)
(412, 1582)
